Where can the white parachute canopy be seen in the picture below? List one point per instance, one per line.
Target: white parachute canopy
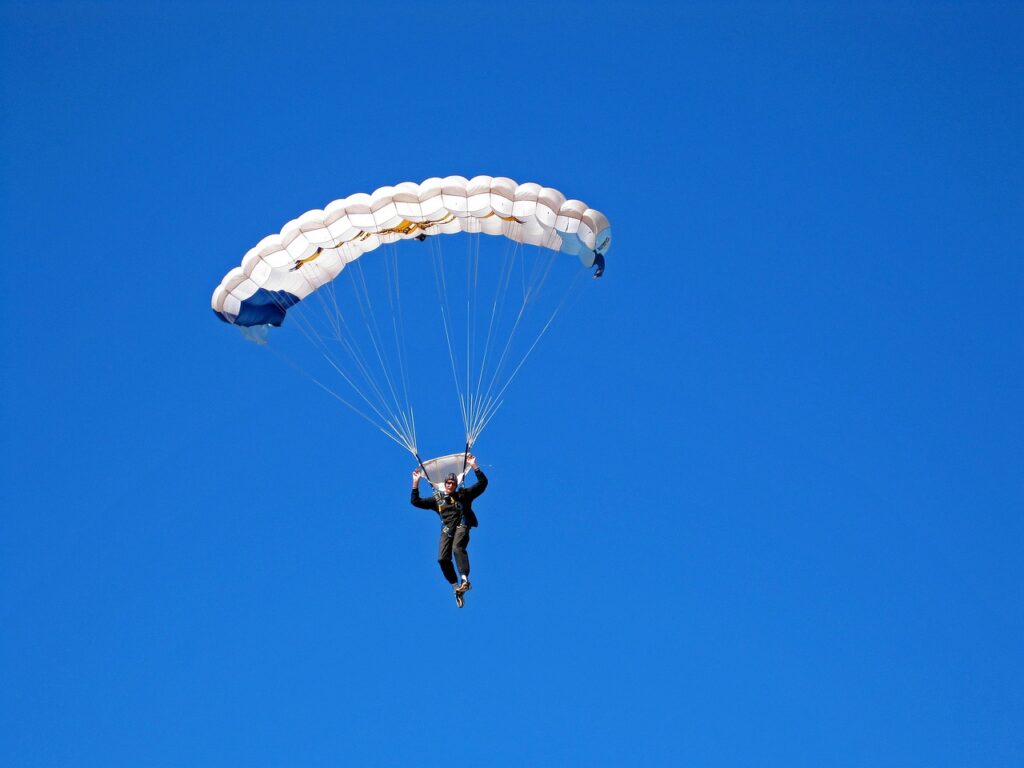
(346, 229)
(494, 303)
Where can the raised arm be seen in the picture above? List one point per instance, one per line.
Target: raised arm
(416, 500)
(481, 480)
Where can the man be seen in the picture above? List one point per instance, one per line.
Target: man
(455, 508)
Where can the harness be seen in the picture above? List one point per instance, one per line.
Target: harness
(444, 505)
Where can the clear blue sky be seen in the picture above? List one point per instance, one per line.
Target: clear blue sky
(757, 503)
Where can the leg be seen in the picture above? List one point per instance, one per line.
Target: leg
(444, 556)
(461, 543)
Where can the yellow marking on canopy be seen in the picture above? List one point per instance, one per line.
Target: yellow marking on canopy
(503, 218)
(404, 227)
(300, 262)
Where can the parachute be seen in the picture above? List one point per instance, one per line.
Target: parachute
(315, 253)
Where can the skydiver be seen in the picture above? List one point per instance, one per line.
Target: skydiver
(455, 508)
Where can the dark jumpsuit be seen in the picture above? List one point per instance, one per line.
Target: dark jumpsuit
(457, 517)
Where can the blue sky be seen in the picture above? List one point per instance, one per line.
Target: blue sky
(755, 501)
